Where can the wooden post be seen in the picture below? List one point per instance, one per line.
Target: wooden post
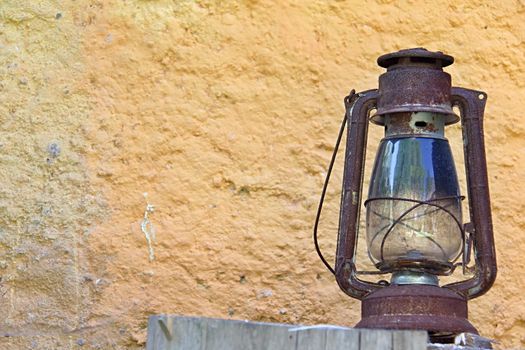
(197, 333)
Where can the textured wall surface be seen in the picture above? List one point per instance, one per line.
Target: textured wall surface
(215, 121)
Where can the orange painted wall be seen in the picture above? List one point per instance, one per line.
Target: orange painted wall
(225, 114)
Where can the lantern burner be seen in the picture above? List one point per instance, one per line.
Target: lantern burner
(419, 124)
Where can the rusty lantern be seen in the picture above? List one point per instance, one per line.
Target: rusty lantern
(414, 226)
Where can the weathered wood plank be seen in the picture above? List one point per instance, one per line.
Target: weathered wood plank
(188, 333)
(196, 333)
(175, 332)
(375, 340)
(153, 331)
(311, 339)
(409, 340)
(240, 335)
(342, 339)
(260, 336)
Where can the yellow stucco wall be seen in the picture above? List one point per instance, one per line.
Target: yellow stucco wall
(225, 114)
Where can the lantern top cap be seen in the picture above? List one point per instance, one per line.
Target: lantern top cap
(413, 56)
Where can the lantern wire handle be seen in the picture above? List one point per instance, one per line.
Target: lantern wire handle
(348, 101)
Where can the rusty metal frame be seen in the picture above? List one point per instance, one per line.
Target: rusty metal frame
(472, 105)
(440, 310)
(357, 132)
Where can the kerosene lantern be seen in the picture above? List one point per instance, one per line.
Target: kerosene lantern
(414, 224)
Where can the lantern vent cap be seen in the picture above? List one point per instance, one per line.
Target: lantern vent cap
(416, 56)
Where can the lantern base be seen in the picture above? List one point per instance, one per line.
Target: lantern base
(440, 311)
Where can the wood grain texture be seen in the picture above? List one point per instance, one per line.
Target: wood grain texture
(195, 333)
